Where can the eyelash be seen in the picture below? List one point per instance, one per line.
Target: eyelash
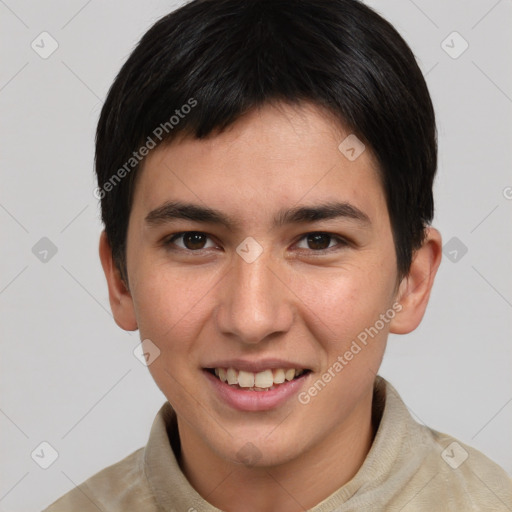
(342, 242)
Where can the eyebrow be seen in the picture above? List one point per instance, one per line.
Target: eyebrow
(172, 210)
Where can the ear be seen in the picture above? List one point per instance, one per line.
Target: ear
(414, 290)
(120, 297)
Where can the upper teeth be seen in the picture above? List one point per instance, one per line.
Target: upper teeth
(265, 379)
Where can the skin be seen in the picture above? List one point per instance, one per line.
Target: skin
(294, 302)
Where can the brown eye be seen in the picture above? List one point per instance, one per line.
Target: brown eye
(318, 241)
(190, 240)
(194, 240)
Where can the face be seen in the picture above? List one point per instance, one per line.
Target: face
(253, 253)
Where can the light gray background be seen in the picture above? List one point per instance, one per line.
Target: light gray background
(68, 373)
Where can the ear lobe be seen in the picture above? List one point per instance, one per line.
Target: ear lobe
(414, 290)
(121, 302)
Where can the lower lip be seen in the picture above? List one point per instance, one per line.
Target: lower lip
(256, 400)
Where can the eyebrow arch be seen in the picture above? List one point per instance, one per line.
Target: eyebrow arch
(172, 210)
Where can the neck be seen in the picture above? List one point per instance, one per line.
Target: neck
(294, 486)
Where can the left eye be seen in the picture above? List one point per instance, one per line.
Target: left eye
(321, 241)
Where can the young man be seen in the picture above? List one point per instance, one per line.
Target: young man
(265, 171)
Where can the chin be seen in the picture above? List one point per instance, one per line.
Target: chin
(259, 451)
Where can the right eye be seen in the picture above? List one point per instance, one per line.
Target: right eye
(192, 241)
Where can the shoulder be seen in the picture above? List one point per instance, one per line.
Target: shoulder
(461, 477)
(431, 470)
(119, 487)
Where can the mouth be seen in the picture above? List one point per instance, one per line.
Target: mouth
(263, 381)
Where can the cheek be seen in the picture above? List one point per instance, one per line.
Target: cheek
(170, 312)
(344, 302)
(169, 304)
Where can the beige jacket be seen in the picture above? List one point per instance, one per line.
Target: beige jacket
(410, 468)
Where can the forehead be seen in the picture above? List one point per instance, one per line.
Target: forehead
(272, 157)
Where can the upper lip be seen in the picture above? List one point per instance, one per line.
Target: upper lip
(256, 366)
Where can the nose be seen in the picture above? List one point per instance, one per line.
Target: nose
(255, 302)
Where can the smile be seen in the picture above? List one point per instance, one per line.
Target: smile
(255, 391)
(265, 380)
